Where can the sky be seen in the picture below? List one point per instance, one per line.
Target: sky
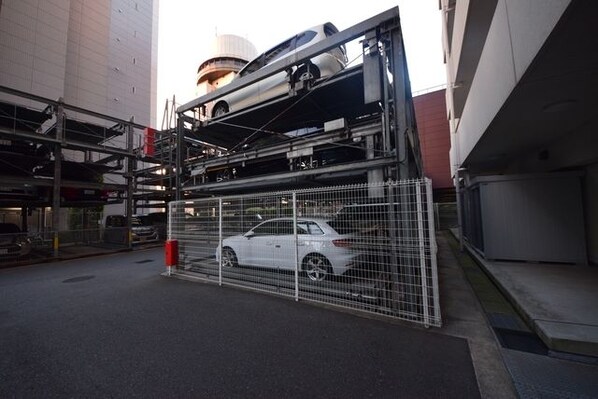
(187, 29)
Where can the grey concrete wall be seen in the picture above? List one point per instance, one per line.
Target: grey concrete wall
(591, 210)
(154, 65)
(100, 55)
(573, 150)
(33, 44)
(518, 30)
(86, 70)
(533, 218)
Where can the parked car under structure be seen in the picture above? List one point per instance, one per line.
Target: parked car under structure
(13, 242)
(321, 250)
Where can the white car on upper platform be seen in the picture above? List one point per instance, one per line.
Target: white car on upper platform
(323, 65)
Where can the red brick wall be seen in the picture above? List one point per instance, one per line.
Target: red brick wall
(434, 137)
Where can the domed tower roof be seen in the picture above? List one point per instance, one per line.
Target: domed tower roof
(229, 53)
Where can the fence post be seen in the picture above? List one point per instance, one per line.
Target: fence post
(220, 240)
(130, 177)
(167, 246)
(433, 252)
(422, 252)
(169, 220)
(394, 232)
(295, 246)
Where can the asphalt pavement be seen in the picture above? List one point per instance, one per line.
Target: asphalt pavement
(111, 326)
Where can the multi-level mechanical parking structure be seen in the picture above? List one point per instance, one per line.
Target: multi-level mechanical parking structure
(355, 126)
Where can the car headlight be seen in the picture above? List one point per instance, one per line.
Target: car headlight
(23, 241)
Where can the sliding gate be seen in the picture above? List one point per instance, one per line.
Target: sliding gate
(368, 247)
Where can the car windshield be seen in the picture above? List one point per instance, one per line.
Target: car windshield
(9, 228)
(285, 227)
(284, 48)
(307, 227)
(351, 219)
(343, 226)
(137, 221)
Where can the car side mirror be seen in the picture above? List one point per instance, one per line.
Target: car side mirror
(249, 234)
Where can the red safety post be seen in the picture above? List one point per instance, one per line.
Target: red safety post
(150, 141)
(171, 253)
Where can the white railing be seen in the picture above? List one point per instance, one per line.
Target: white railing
(368, 247)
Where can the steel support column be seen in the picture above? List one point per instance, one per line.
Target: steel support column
(404, 124)
(60, 119)
(180, 153)
(399, 72)
(24, 226)
(130, 182)
(386, 127)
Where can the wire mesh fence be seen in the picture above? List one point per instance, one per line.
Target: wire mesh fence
(82, 232)
(446, 215)
(19, 248)
(368, 247)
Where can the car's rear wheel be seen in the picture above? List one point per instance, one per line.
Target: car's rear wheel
(220, 109)
(305, 73)
(229, 258)
(317, 267)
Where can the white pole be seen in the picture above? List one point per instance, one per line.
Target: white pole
(422, 253)
(296, 246)
(433, 253)
(220, 240)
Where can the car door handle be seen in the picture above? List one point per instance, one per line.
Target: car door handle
(277, 246)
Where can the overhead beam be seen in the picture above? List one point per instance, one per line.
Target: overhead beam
(18, 181)
(47, 101)
(73, 145)
(247, 182)
(299, 143)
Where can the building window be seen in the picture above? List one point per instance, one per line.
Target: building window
(133, 89)
(134, 60)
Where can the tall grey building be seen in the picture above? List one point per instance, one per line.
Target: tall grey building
(521, 101)
(99, 55)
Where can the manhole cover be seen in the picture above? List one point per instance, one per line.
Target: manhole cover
(145, 261)
(77, 279)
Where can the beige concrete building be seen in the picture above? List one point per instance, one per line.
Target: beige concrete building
(100, 55)
(228, 54)
(521, 102)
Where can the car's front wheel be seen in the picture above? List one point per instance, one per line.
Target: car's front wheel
(317, 267)
(307, 73)
(229, 258)
(220, 109)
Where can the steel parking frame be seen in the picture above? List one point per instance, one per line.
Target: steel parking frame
(372, 94)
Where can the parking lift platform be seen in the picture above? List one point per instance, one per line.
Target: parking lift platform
(340, 96)
(337, 154)
(355, 126)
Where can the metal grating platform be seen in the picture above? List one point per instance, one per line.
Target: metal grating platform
(538, 376)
